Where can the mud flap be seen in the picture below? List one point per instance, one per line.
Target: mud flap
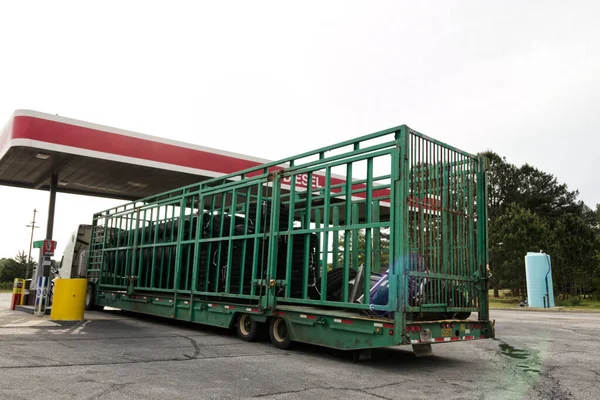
(422, 350)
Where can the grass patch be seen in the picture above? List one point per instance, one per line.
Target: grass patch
(506, 300)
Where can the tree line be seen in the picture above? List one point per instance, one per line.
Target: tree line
(11, 268)
(530, 210)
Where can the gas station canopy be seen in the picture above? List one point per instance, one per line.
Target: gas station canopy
(91, 159)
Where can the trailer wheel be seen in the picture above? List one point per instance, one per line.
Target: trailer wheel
(89, 299)
(279, 333)
(247, 329)
(462, 315)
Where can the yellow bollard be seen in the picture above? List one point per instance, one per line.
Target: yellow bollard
(68, 303)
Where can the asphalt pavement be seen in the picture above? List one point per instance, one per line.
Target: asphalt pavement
(114, 355)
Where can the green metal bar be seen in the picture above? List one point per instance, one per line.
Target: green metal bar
(256, 240)
(128, 251)
(273, 234)
(341, 159)
(399, 232)
(170, 248)
(323, 264)
(306, 225)
(211, 222)
(134, 272)
(116, 267)
(290, 241)
(178, 248)
(196, 260)
(442, 144)
(368, 231)
(336, 237)
(348, 235)
(244, 241)
(376, 239)
(326, 219)
(230, 241)
(482, 236)
(452, 190)
(154, 238)
(430, 195)
(422, 195)
(355, 253)
(143, 267)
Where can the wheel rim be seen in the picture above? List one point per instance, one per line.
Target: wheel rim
(280, 330)
(245, 325)
(88, 297)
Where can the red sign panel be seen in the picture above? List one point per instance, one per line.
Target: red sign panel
(48, 247)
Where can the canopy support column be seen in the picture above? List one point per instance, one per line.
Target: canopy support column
(51, 205)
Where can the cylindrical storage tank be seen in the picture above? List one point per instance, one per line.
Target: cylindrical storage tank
(538, 270)
(68, 300)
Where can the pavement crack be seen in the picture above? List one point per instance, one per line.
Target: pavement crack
(360, 390)
(136, 361)
(196, 348)
(113, 388)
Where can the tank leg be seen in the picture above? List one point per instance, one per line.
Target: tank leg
(422, 350)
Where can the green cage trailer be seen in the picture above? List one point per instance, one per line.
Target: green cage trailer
(372, 242)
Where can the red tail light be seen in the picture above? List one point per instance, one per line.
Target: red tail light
(418, 328)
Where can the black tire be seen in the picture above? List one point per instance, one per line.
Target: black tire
(280, 334)
(247, 329)
(462, 315)
(89, 299)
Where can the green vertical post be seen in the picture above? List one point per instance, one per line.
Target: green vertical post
(257, 240)
(273, 234)
(326, 219)
(336, 236)
(178, 250)
(196, 260)
(376, 238)
(221, 240)
(306, 225)
(368, 230)
(245, 241)
(154, 239)
(482, 237)
(230, 241)
(399, 231)
(290, 237)
(210, 244)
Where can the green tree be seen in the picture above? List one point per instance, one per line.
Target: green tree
(11, 269)
(513, 234)
(574, 254)
(542, 194)
(503, 184)
(361, 240)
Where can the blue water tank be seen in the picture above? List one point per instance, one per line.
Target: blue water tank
(538, 270)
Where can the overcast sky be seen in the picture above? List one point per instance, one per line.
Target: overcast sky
(272, 79)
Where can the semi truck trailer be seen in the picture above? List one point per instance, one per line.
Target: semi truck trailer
(372, 242)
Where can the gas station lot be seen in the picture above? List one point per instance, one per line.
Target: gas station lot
(115, 355)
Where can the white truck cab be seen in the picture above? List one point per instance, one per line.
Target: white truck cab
(74, 260)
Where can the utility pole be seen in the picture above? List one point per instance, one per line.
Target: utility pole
(32, 226)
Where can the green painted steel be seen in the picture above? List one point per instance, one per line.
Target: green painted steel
(316, 234)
